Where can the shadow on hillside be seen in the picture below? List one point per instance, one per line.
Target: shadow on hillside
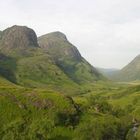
(8, 67)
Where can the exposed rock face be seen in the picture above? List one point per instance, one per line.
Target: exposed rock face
(18, 37)
(57, 45)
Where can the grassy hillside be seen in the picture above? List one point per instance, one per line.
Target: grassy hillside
(50, 92)
(25, 63)
(68, 58)
(0, 33)
(121, 101)
(35, 114)
(107, 113)
(130, 72)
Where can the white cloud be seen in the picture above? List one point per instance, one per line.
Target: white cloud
(105, 31)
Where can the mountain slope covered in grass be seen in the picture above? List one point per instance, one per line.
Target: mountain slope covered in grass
(27, 63)
(48, 91)
(40, 114)
(0, 33)
(35, 114)
(68, 58)
(130, 72)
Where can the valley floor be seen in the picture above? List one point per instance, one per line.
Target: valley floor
(103, 111)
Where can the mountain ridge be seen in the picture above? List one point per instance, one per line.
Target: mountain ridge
(67, 57)
(57, 40)
(130, 72)
(58, 64)
(18, 37)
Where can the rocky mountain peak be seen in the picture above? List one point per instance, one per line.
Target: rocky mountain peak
(18, 37)
(56, 35)
(57, 45)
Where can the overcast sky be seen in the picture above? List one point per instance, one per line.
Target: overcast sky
(106, 32)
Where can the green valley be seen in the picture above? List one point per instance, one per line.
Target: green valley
(48, 91)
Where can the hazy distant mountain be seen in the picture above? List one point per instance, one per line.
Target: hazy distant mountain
(54, 62)
(108, 72)
(130, 72)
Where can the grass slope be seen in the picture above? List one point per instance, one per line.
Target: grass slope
(34, 83)
(68, 58)
(40, 114)
(61, 68)
(131, 72)
(35, 114)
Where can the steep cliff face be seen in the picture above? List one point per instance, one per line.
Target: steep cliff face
(18, 37)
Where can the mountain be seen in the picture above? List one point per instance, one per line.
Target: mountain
(68, 58)
(16, 43)
(130, 72)
(36, 84)
(18, 37)
(57, 45)
(107, 72)
(0, 33)
(23, 62)
(53, 63)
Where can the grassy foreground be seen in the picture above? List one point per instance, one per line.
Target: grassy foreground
(107, 112)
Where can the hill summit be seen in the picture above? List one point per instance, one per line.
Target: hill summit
(57, 45)
(18, 37)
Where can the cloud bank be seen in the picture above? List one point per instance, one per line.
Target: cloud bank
(106, 32)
